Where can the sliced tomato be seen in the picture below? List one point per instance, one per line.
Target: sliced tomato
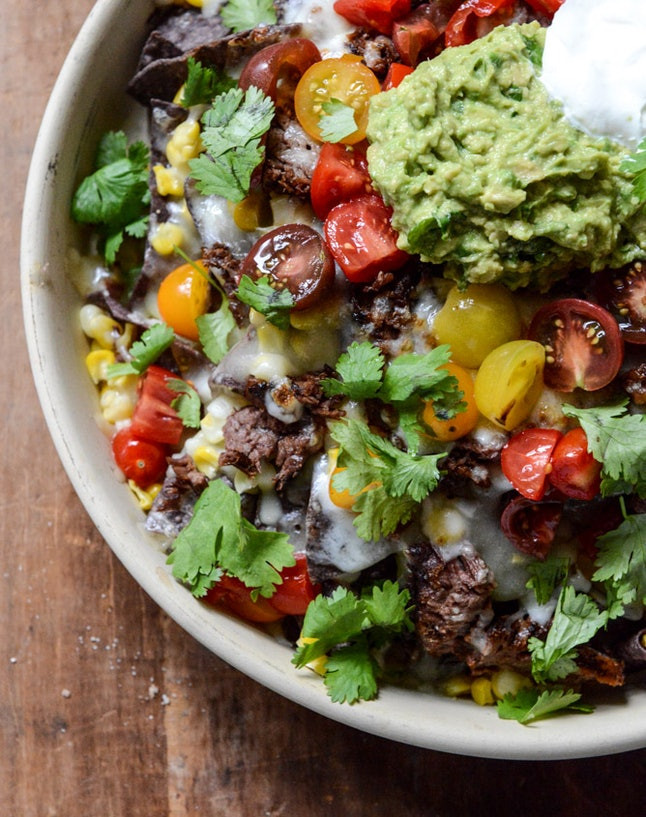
(293, 596)
(397, 71)
(231, 593)
(623, 293)
(361, 238)
(583, 344)
(377, 15)
(277, 68)
(525, 460)
(547, 7)
(295, 257)
(531, 526)
(142, 461)
(154, 418)
(575, 472)
(415, 34)
(341, 173)
(463, 26)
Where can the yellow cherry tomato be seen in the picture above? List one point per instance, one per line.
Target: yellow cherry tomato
(509, 382)
(343, 499)
(464, 421)
(476, 320)
(345, 79)
(183, 296)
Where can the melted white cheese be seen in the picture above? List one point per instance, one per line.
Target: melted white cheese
(320, 23)
(595, 64)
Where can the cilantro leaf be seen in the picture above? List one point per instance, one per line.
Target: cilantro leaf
(422, 375)
(576, 619)
(388, 606)
(187, 404)
(115, 197)
(337, 121)
(214, 329)
(360, 368)
(274, 304)
(218, 539)
(530, 704)
(617, 440)
(233, 128)
(544, 577)
(635, 165)
(155, 340)
(240, 15)
(621, 563)
(204, 83)
(351, 674)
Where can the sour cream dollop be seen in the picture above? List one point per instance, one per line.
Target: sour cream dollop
(595, 64)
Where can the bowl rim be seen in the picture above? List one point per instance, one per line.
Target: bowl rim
(413, 718)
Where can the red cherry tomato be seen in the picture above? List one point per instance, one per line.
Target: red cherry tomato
(525, 460)
(295, 257)
(463, 26)
(623, 293)
(154, 418)
(142, 461)
(582, 342)
(396, 73)
(231, 593)
(361, 238)
(293, 596)
(277, 68)
(575, 472)
(415, 34)
(547, 7)
(341, 173)
(531, 526)
(377, 15)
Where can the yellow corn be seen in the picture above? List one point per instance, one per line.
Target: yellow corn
(184, 144)
(169, 181)
(117, 399)
(507, 682)
(457, 686)
(144, 498)
(167, 236)
(97, 362)
(318, 665)
(100, 326)
(196, 3)
(206, 459)
(481, 691)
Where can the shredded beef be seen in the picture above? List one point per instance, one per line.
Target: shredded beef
(290, 158)
(634, 384)
(172, 508)
(377, 50)
(503, 644)
(220, 262)
(468, 463)
(450, 597)
(384, 306)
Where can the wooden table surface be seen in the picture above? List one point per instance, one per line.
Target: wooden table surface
(106, 707)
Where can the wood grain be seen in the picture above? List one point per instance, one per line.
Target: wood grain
(106, 707)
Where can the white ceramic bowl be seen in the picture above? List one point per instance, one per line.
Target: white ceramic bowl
(88, 99)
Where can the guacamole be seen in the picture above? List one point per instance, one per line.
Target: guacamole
(486, 176)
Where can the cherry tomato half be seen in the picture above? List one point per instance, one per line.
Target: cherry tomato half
(397, 71)
(345, 79)
(463, 422)
(154, 418)
(142, 461)
(184, 295)
(377, 15)
(526, 458)
(623, 293)
(582, 342)
(341, 173)
(415, 34)
(531, 526)
(293, 596)
(463, 26)
(277, 68)
(296, 257)
(231, 593)
(361, 238)
(547, 7)
(575, 472)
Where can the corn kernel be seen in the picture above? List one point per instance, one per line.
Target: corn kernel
(167, 236)
(97, 362)
(169, 181)
(252, 212)
(99, 326)
(116, 404)
(318, 665)
(481, 691)
(507, 682)
(206, 459)
(144, 497)
(197, 3)
(184, 144)
(457, 686)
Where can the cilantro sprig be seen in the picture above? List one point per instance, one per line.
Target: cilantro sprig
(337, 121)
(274, 304)
(349, 630)
(204, 83)
(115, 198)
(145, 351)
(218, 538)
(240, 15)
(635, 165)
(531, 704)
(187, 404)
(232, 137)
(546, 576)
(617, 440)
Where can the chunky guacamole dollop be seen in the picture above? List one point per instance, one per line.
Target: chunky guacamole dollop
(486, 176)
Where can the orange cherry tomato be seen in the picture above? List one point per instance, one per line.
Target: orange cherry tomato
(463, 422)
(345, 79)
(183, 296)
